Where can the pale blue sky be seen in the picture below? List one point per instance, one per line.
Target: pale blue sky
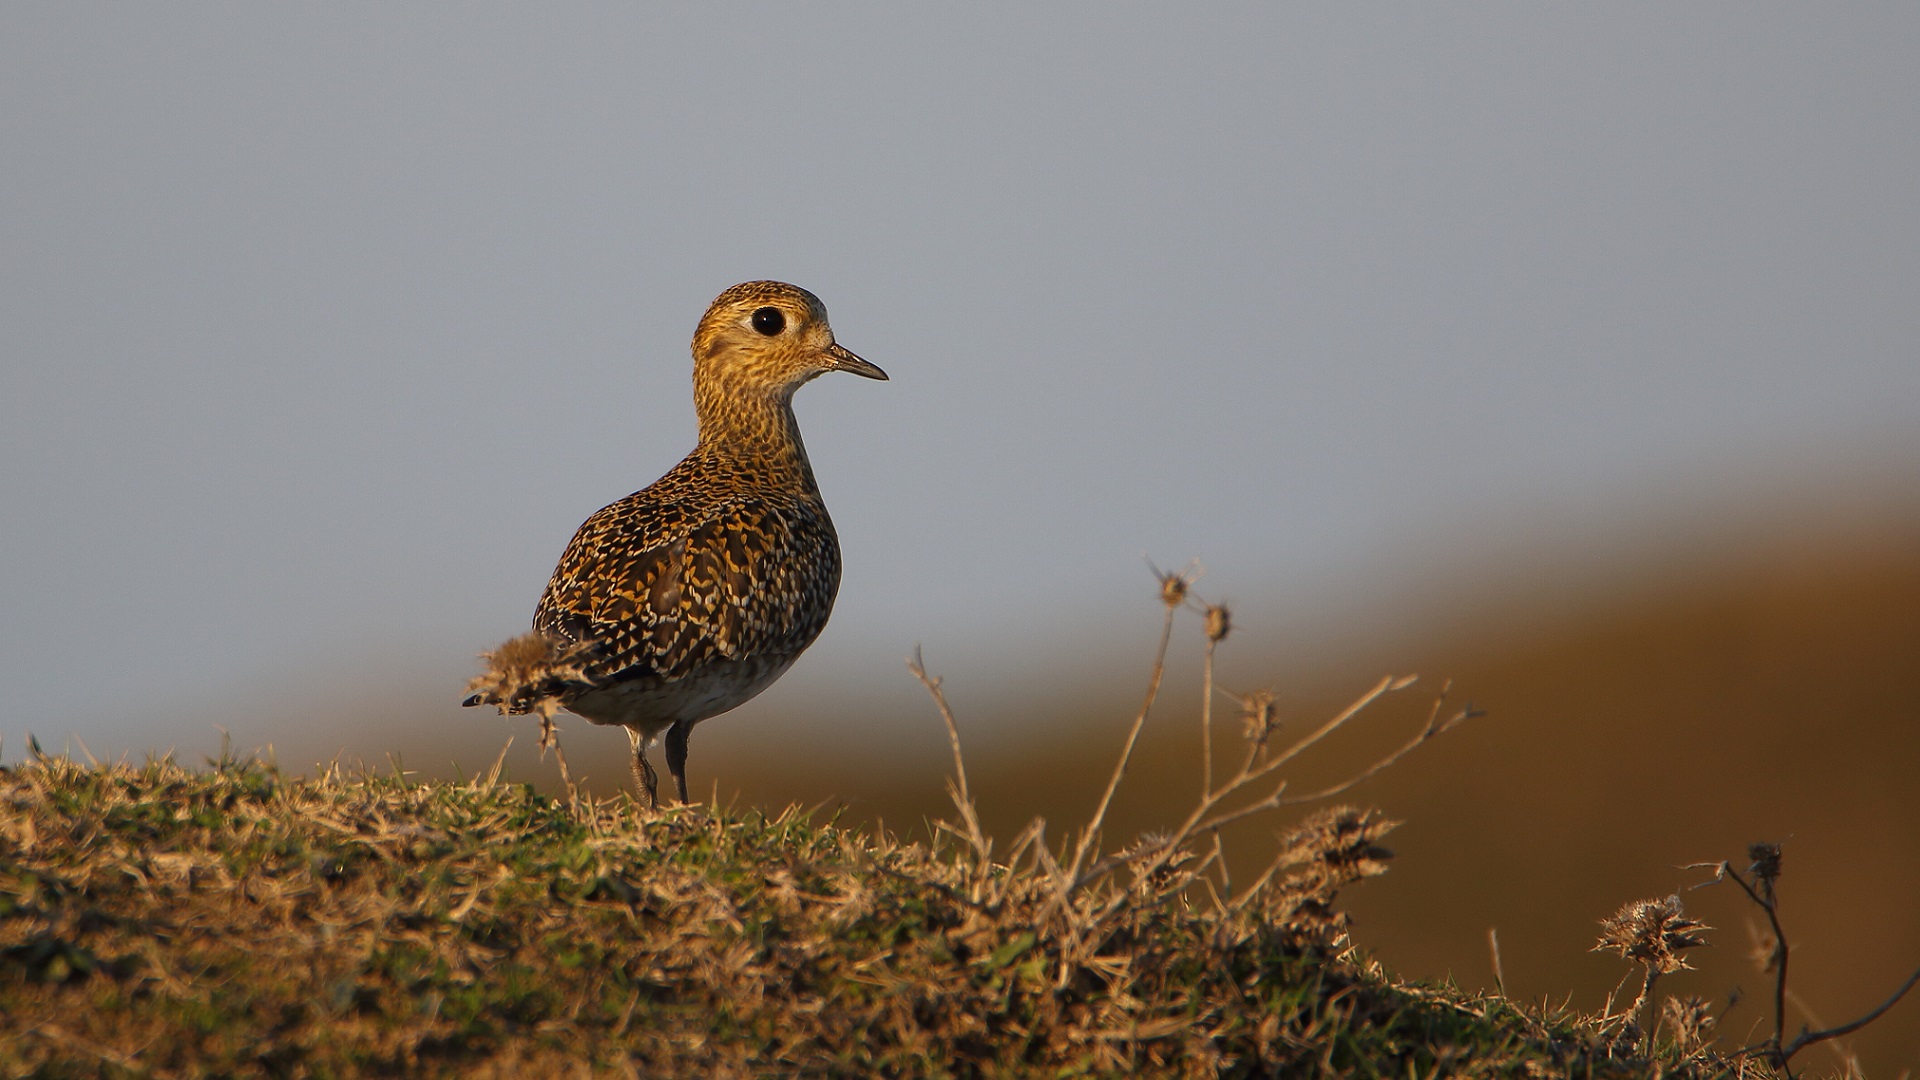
(325, 325)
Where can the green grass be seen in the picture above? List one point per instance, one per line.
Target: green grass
(236, 922)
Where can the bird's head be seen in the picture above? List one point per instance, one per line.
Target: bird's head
(764, 339)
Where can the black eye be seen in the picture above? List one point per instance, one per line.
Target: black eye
(769, 321)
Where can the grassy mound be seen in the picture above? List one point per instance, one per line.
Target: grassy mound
(233, 921)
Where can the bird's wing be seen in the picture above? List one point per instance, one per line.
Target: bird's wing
(660, 594)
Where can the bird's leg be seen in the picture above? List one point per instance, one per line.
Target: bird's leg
(643, 776)
(677, 755)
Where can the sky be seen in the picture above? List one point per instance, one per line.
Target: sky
(322, 327)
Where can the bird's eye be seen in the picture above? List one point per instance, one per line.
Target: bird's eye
(769, 321)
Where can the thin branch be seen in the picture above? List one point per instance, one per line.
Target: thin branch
(1381, 689)
(1810, 1019)
(1633, 1011)
(1213, 893)
(963, 798)
(1199, 821)
(1034, 838)
(1432, 729)
(1206, 719)
(1220, 861)
(1078, 918)
(1777, 1050)
(1807, 1039)
(1246, 895)
(1779, 958)
(1092, 832)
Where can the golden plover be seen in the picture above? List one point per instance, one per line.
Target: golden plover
(685, 599)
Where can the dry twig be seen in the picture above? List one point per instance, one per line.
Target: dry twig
(962, 798)
(1173, 591)
(1764, 872)
(1329, 850)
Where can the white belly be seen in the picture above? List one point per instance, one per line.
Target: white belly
(650, 706)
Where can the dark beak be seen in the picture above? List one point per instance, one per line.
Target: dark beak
(843, 360)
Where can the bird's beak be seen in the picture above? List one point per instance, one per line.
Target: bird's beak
(844, 360)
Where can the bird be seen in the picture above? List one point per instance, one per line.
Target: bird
(692, 595)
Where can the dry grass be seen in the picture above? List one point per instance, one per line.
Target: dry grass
(232, 921)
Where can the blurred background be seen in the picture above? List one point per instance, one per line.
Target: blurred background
(1569, 353)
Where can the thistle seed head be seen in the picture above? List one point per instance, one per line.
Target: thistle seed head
(1219, 621)
(1337, 846)
(1258, 715)
(1653, 932)
(1689, 1020)
(1173, 587)
(1329, 850)
(1165, 870)
(1765, 868)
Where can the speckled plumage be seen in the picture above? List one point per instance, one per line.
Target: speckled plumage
(699, 591)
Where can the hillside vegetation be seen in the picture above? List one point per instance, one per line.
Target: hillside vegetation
(156, 920)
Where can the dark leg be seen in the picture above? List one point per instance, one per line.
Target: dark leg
(677, 755)
(643, 775)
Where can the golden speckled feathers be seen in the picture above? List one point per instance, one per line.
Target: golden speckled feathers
(686, 572)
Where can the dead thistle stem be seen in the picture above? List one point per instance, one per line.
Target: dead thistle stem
(1152, 858)
(1434, 726)
(1173, 591)
(962, 797)
(1252, 892)
(1778, 1055)
(1164, 865)
(1633, 1011)
(1219, 623)
(1808, 1038)
(1203, 817)
(1206, 719)
(1220, 862)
